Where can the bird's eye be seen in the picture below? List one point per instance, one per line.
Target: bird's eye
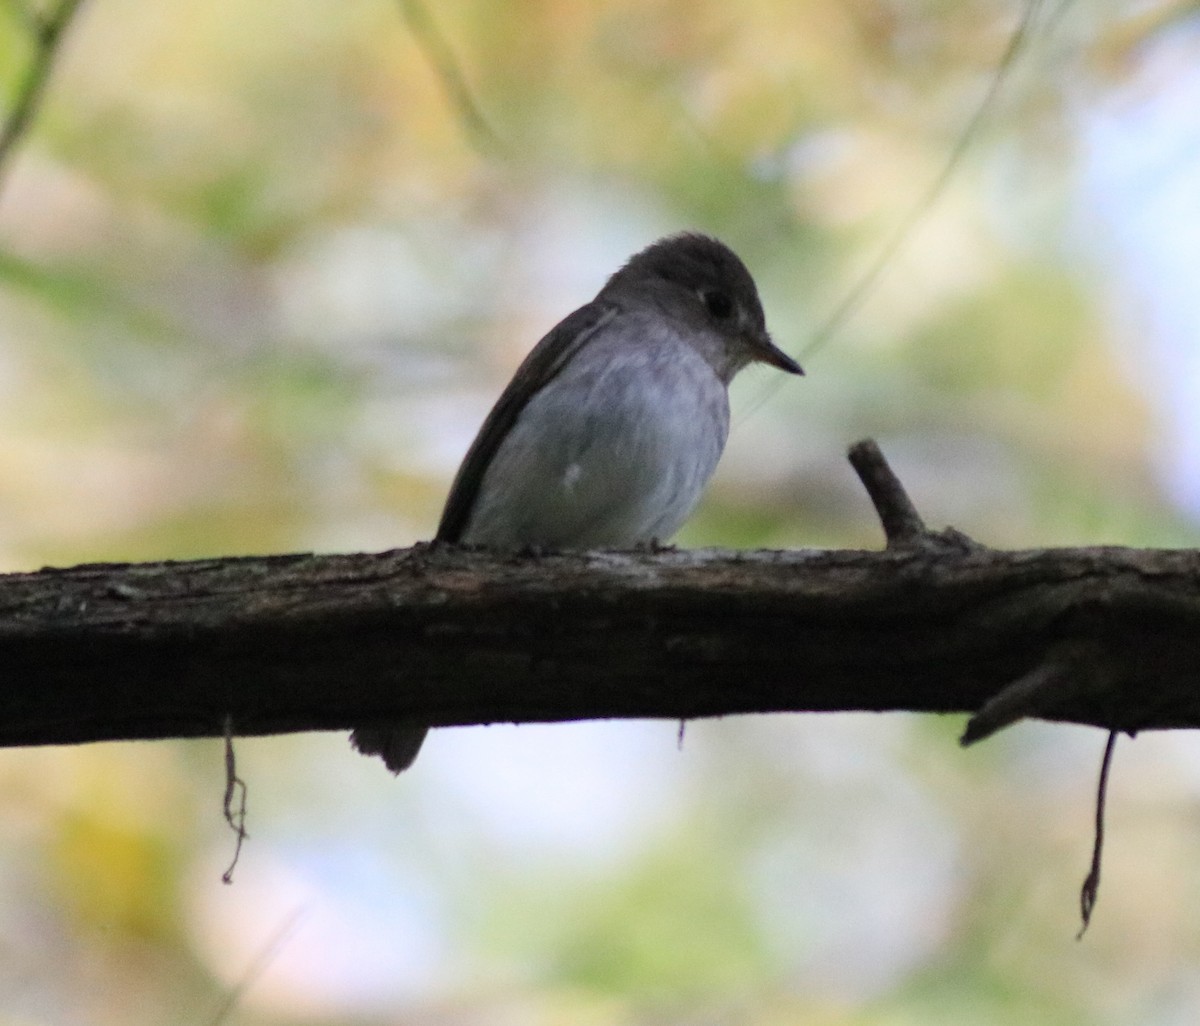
(717, 303)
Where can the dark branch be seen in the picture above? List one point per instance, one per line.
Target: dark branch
(48, 32)
(447, 635)
(451, 636)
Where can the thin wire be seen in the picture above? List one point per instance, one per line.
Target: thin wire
(920, 209)
(260, 963)
(1018, 41)
(48, 32)
(440, 55)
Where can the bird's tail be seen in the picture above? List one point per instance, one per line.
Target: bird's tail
(397, 746)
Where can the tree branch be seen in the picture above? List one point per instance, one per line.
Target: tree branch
(447, 635)
(902, 524)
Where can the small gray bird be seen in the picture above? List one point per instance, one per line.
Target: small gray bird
(613, 424)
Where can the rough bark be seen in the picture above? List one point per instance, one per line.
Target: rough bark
(445, 635)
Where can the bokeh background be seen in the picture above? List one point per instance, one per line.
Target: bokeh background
(263, 268)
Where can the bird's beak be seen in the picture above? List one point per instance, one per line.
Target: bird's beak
(766, 351)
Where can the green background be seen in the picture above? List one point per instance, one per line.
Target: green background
(260, 279)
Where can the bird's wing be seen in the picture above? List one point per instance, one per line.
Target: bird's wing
(540, 367)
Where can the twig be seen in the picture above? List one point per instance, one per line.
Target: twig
(902, 524)
(1026, 696)
(1072, 669)
(1091, 885)
(48, 32)
(235, 818)
(439, 54)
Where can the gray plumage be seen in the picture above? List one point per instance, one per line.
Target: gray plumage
(611, 427)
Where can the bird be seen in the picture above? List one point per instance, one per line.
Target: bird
(611, 427)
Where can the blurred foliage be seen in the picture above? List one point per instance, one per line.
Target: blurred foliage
(260, 278)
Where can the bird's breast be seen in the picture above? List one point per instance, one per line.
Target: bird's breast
(613, 452)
